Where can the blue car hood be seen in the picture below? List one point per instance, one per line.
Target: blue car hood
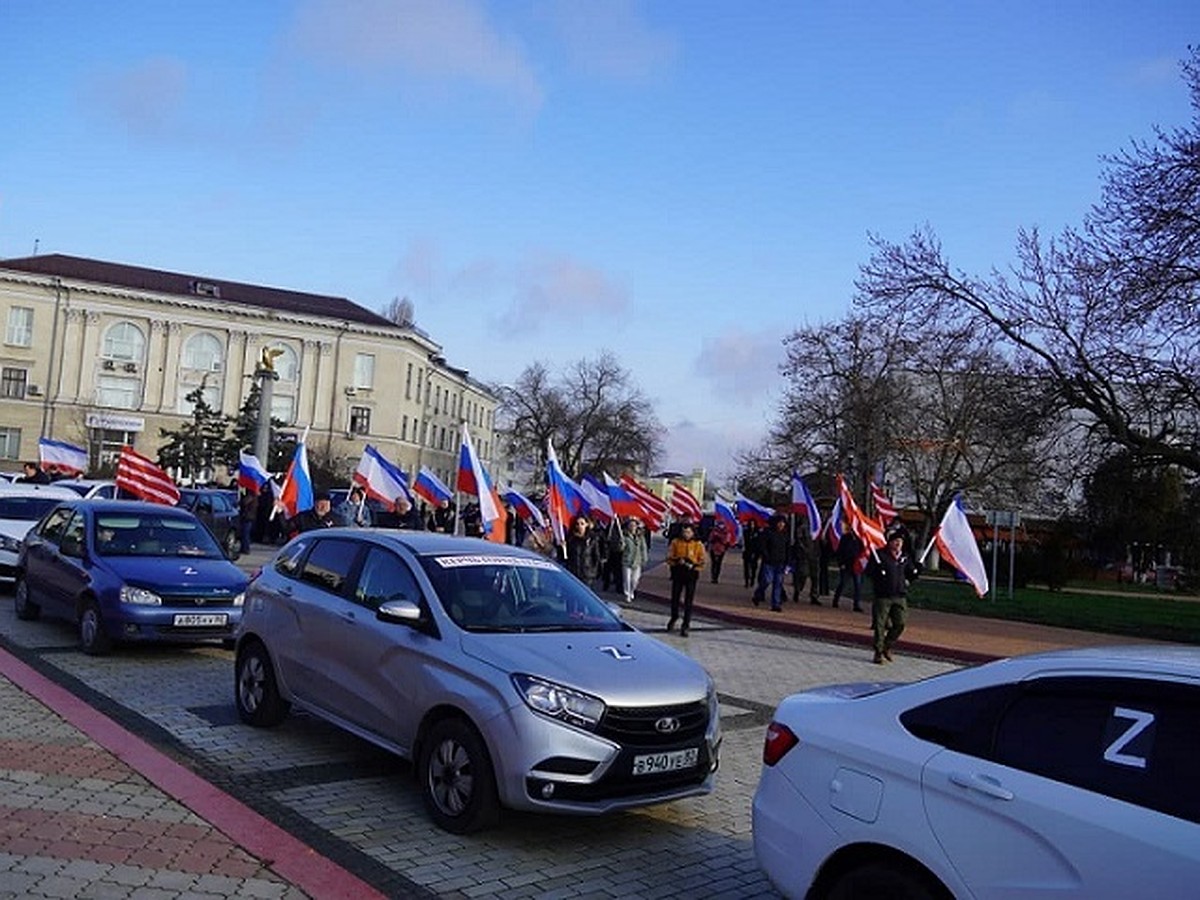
(178, 573)
(625, 668)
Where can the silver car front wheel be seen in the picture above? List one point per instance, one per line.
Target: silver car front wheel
(457, 781)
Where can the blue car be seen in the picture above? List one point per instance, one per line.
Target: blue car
(129, 571)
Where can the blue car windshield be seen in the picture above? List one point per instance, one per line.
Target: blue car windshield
(152, 534)
(516, 594)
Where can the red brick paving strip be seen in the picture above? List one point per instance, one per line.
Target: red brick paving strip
(145, 842)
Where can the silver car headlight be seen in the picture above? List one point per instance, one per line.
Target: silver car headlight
(11, 544)
(558, 702)
(240, 599)
(139, 596)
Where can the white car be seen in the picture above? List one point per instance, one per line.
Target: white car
(21, 505)
(1065, 774)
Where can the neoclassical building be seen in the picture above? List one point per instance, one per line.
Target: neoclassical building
(100, 354)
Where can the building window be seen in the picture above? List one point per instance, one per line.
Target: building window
(105, 446)
(124, 341)
(360, 420)
(283, 408)
(287, 363)
(203, 353)
(408, 383)
(364, 370)
(20, 327)
(12, 383)
(404, 428)
(209, 391)
(10, 443)
(121, 393)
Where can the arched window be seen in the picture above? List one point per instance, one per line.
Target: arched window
(203, 353)
(287, 365)
(124, 341)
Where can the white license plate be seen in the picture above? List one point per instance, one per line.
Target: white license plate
(653, 763)
(183, 620)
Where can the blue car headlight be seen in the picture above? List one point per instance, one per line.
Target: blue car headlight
(558, 702)
(139, 596)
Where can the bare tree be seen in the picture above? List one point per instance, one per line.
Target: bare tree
(1106, 315)
(400, 311)
(597, 417)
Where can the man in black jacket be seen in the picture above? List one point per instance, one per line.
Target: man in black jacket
(775, 548)
(891, 569)
(849, 549)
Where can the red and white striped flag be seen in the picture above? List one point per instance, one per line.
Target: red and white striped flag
(684, 505)
(869, 531)
(654, 510)
(885, 510)
(142, 478)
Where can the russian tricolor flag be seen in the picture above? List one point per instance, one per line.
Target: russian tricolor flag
(297, 493)
(563, 497)
(473, 479)
(803, 502)
(596, 496)
(525, 508)
(251, 476)
(724, 513)
(430, 488)
(748, 510)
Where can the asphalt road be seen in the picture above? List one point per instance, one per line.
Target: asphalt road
(361, 807)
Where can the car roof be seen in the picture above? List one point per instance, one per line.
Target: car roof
(431, 543)
(1179, 658)
(19, 489)
(103, 505)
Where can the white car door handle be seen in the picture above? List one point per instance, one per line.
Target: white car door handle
(985, 784)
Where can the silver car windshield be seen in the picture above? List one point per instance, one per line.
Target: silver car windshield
(515, 594)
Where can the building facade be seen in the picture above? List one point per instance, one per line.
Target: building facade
(101, 355)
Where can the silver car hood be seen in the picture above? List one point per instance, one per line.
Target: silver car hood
(624, 668)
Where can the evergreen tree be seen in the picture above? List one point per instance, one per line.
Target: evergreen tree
(244, 433)
(200, 445)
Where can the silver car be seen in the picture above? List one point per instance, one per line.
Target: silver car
(502, 677)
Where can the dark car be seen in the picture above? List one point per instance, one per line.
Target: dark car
(129, 571)
(218, 510)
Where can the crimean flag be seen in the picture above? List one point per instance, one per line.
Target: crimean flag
(137, 475)
(869, 531)
(804, 504)
(956, 544)
(296, 495)
(885, 510)
(473, 479)
(653, 507)
(380, 478)
(62, 456)
(684, 505)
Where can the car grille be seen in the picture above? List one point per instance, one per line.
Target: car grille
(637, 726)
(197, 601)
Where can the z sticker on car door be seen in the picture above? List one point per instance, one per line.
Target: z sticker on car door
(1138, 721)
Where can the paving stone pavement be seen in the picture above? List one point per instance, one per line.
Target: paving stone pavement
(129, 775)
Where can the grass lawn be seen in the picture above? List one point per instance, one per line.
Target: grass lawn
(1164, 618)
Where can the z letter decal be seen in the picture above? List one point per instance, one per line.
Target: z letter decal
(1140, 721)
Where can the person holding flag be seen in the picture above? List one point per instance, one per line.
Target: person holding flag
(890, 571)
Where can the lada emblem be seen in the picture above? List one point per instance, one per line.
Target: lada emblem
(667, 725)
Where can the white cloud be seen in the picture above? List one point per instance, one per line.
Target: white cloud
(612, 40)
(144, 99)
(740, 364)
(557, 289)
(435, 40)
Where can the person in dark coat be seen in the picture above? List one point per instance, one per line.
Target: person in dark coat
(776, 549)
(582, 551)
(849, 552)
(890, 570)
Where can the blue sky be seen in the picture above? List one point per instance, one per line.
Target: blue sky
(681, 183)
